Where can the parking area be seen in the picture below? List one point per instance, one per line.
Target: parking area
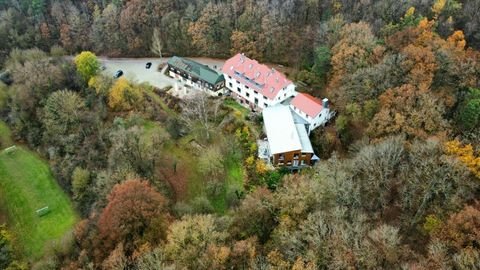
(134, 69)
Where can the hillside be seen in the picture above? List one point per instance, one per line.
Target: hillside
(240, 134)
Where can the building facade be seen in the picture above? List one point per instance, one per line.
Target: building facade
(315, 112)
(286, 143)
(254, 84)
(196, 75)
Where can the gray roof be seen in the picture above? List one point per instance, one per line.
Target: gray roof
(196, 69)
(281, 131)
(304, 140)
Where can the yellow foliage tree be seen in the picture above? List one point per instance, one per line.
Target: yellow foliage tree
(260, 166)
(465, 154)
(250, 160)
(123, 95)
(101, 84)
(438, 6)
(87, 65)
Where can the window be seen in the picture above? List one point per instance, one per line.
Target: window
(265, 105)
(248, 94)
(295, 156)
(256, 101)
(264, 97)
(255, 92)
(238, 82)
(230, 84)
(246, 86)
(281, 157)
(239, 90)
(229, 76)
(304, 155)
(302, 162)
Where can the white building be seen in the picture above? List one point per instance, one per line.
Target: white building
(255, 84)
(315, 112)
(197, 76)
(287, 143)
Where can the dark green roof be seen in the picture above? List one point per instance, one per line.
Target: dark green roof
(196, 69)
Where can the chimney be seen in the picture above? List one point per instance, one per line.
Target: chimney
(325, 103)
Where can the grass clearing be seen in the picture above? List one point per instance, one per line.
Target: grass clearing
(26, 184)
(236, 107)
(5, 136)
(190, 183)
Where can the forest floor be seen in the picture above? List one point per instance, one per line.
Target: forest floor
(26, 184)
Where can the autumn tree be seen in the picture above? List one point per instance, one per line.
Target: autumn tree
(87, 65)
(80, 181)
(35, 77)
(432, 182)
(457, 241)
(407, 109)
(6, 249)
(191, 241)
(245, 43)
(135, 215)
(63, 112)
(465, 154)
(131, 152)
(124, 95)
(254, 216)
(101, 84)
(211, 32)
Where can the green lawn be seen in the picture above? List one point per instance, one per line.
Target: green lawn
(5, 136)
(26, 184)
(243, 112)
(234, 177)
(182, 152)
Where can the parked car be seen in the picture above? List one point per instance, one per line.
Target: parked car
(148, 65)
(118, 74)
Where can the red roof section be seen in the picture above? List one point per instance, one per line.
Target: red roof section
(261, 78)
(308, 104)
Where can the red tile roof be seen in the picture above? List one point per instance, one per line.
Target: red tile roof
(308, 104)
(261, 78)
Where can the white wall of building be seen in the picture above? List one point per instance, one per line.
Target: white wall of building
(320, 120)
(196, 85)
(250, 94)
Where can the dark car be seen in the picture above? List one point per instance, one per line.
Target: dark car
(118, 74)
(148, 65)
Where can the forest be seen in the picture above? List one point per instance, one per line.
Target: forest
(397, 185)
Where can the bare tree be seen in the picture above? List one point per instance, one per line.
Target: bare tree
(157, 43)
(200, 110)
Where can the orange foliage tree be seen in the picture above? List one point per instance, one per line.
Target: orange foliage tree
(135, 215)
(406, 109)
